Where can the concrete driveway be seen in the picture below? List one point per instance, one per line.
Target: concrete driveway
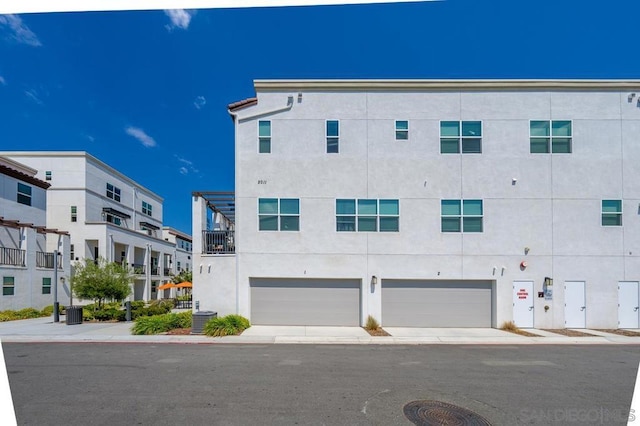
(304, 331)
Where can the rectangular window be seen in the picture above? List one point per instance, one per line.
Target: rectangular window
(8, 286)
(367, 215)
(611, 212)
(146, 208)
(550, 136)
(113, 192)
(264, 137)
(278, 214)
(460, 137)
(46, 285)
(24, 194)
(74, 213)
(402, 130)
(461, 215)
(113, 219)
(47, 175)
(71, 252)
(333, 136)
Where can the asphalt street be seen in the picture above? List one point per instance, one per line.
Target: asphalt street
(166, 384)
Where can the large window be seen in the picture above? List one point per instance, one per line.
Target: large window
(264, 137)
(74, 213)
(279, 214)
(146, 208)
(333, 136)
(367, 215)
(402, 130)
(611, 212)
(24, 194)
(46, 285)
(461, 215)
(113, 192)
(550, 136)
(460, 136)
(8, 286)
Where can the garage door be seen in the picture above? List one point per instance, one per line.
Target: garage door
(422, 303)
(305, 302)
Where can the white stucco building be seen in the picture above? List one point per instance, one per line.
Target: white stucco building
(107, 214)
(27, 245)
(183, 248)
(429, 203)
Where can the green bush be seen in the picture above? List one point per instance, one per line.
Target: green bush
(161, 323)
(230, 325)
(47, 311)
(26, 313)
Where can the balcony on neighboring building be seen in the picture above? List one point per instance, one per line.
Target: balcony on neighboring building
(12, 257)
(46, 260)
(214, 242)
(138, 269)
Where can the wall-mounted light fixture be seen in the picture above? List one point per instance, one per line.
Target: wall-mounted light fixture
(374, 280)
(209, 269)
(201, 268)
(630, 97)
(514, 181)
(494, 270)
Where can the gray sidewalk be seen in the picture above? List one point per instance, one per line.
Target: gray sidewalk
(45, 330)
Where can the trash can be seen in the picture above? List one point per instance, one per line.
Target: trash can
(199, 319)
(74, 315)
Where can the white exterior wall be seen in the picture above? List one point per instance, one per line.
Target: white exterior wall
(554, 208)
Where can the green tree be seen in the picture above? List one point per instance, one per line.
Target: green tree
(101, 280)
(182, 277)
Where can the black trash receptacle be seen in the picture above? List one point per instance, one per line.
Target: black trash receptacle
(199, 319)
(74, 315)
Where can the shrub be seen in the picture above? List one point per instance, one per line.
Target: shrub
(161, 323)
(230, 325)
(509, 326)
(48, 311)
(371, 324)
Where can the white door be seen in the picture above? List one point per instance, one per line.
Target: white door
(523, 304)
(628, 304)
(575, 306)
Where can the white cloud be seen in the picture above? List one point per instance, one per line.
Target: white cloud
(200, 102)
(90, 138)
(180, 18)
(33, 95)
(184, 170)
(186, 167)
(139, 134)
(3, 81)
(19, 31)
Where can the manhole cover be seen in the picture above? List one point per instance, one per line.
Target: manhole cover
(431, 413)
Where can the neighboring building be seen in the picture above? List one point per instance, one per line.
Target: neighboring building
(27, 246)
(430, 203)
(183, 248)
(107, 214)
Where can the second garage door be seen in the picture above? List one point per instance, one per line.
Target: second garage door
(424, 303)
(305, 302)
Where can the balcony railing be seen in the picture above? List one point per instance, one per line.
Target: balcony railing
(45, 260)
(218, 242)
(154, 270)
(167, 272)
(11, 256)
(138, 269)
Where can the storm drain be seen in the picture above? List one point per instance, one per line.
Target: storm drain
(431, 413)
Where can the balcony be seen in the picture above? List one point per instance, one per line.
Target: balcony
(45, 260)
(12, 257)
(222, 242)
(167, 272)
(138, 269)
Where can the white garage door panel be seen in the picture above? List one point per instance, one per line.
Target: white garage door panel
(305, 302)
(418, 303)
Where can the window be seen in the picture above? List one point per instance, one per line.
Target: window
(279, 214)
(367, 215)
(460, 136)
(333, 136)
(113, 192)
(146, 208)
(71, 252)
(47, 175)
(179, 267)
(24, 194)
(264, 137)
(611, 212)
(550, 136)
(113, 219)
(402, 130)
(74, 213)
(46, 285)
(461, 215)
(8, 286)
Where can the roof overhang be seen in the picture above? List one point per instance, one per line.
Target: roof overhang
(111, 210)
(149, 225)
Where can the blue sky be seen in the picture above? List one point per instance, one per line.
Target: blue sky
(146, 92)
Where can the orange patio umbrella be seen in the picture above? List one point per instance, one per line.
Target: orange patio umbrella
(166, 286)
(184, 284)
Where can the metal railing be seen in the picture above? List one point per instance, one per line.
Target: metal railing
(45, 260)
(167, 272)
(154, 270)
(138, 269)
(11, 256)
(218, 242)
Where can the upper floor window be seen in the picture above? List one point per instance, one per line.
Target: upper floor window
(611, 212)
(146, 208)
(460, 137)
(333, 136)
(47, 175)
(113, 219)
(24, 194)
(402, 130)
(8, 286)
(367, 215)
(550, 136)
(71, 252)
(279, 214)
(74, 213)
(461, 215)
(113, 192)
(264, 137)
